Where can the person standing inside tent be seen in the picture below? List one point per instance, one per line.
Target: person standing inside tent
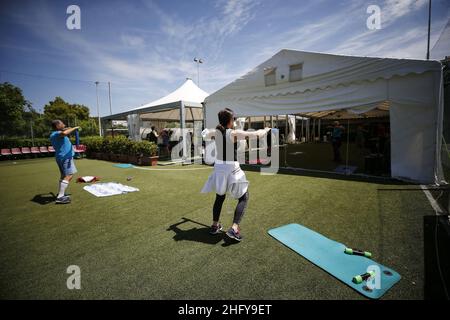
(337, 132)
(228, 175)
(164, 145)
(64, 157)
(361, 136)
(153, 135)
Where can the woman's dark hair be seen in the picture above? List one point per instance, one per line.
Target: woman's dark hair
(225, 116)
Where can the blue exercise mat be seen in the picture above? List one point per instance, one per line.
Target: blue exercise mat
(329, 255)
(123, 165)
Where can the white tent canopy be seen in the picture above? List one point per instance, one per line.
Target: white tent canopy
(184, 104)
(168, 107)
(296, 82)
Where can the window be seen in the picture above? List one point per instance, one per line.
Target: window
(270, 76)
(295, 72)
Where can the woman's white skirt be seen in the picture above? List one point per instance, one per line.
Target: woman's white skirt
(227, 177)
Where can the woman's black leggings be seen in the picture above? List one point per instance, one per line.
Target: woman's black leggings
(238, 213)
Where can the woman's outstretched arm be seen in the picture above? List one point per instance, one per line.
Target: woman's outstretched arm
(241, 134)
(207, 134)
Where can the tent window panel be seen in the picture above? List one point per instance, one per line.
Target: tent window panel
(270, 77)
(295, 72)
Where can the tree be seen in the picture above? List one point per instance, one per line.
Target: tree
(71, 114)
(12, 108)
(89, 127)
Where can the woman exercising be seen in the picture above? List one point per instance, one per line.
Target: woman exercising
(227, 174)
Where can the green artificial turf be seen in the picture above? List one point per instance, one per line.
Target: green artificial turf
(129, 246)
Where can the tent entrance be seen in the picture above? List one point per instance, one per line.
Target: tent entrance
(345, 141)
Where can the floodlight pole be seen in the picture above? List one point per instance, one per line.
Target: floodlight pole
(429, 29)
(110, 108)
(198, 61)
(32, 133)
(98, 110)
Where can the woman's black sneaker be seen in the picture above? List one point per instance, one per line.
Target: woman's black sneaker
(215, 229)
(235, 235)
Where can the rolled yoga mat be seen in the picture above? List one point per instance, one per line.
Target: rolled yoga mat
(330, 256)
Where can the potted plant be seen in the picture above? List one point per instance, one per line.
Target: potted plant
(147, 153)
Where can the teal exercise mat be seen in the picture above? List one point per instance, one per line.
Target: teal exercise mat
(329, 255)
(123, 165)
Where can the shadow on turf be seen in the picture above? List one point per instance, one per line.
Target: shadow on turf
(44, 198)
(194, 234)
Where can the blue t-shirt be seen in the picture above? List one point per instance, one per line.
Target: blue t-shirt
(62, 145)
(337, 132)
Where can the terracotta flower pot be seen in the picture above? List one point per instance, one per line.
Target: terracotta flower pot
(154, 160)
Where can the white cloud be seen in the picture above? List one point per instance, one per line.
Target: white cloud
(341, 33)
(131, 40)
(392, 10)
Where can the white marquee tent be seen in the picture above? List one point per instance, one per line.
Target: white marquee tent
(297, 82)
(183, 105)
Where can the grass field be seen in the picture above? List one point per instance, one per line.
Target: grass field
(129, 246)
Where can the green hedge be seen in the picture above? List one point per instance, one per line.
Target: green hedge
(120, 145)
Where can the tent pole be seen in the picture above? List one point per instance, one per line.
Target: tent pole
(346, 156)
(183, 126)
(302, 130)
(287, 127)
(271, 121)
(314, 130)
(318, 129)
(307, 130)
(204, 115)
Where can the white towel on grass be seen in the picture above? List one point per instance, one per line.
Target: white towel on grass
(108, 189)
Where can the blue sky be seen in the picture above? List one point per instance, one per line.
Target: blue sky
(146, 48)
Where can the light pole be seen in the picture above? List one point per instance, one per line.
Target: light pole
(429, 29)
(31, 125)
(198, 61)
(98, 110)
(110, 107)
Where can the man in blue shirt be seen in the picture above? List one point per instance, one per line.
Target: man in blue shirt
(64, 157)
(336, 140)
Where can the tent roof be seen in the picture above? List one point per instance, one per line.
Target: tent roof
(166, 108)
(319, 71)
(188, 92)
